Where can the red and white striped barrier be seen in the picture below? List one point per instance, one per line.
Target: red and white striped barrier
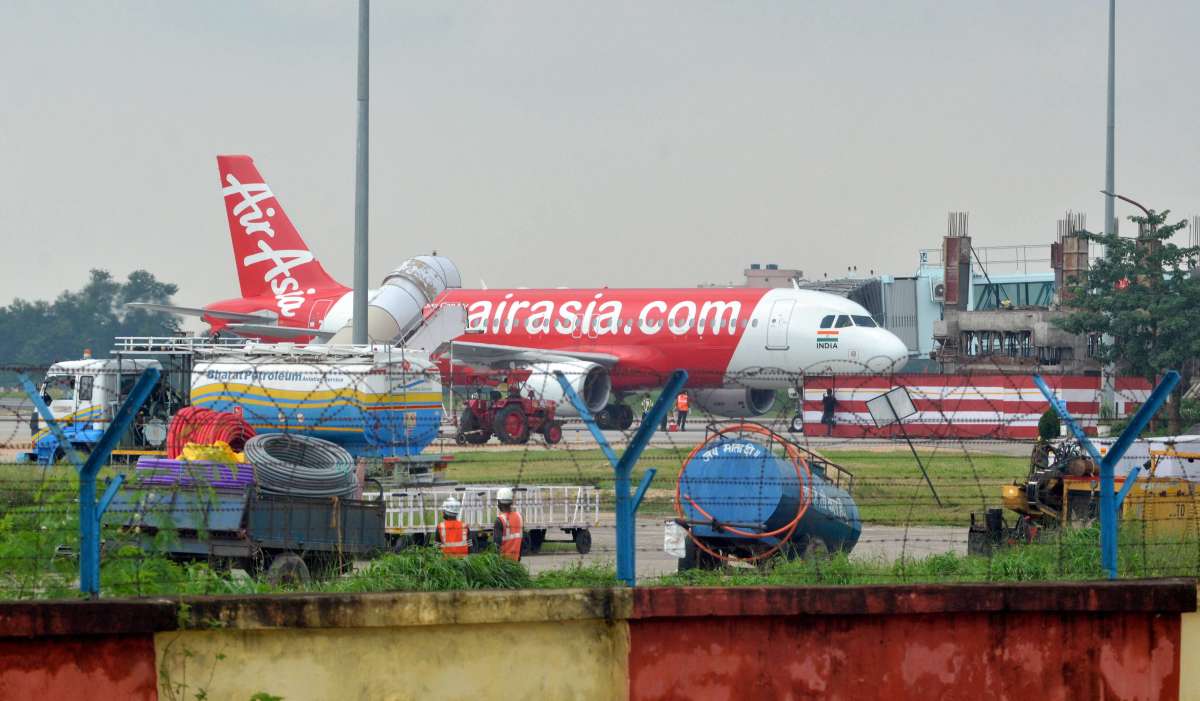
(965, 406)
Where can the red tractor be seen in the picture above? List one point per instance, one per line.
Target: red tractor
(509, 416)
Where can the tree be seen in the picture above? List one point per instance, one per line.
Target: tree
(1142, 302)
(38, 333)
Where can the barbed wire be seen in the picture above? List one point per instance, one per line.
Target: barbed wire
(972, 432)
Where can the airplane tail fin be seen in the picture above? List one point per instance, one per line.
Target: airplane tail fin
(270, 256)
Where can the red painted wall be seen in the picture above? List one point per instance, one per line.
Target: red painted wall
(117, 667)
(930, 657)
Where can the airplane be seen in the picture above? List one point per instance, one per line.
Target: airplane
(739, 345)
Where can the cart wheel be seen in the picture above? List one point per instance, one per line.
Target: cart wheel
(553, 433)
(797, 424)
(696, 559)
(479, 543)
(815, 547)
(287, 569)
(532, 543)
(583, 540)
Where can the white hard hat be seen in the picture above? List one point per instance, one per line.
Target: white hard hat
(504, 494)
(451, 506)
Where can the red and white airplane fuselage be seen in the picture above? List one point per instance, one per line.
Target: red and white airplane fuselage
(742, 338)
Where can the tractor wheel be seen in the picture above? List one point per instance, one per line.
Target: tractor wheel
(553, 432)
(511, 426)
(469, 430)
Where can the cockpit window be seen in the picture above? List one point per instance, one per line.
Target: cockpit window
(864, 321)
(843, 321)
(827, 322)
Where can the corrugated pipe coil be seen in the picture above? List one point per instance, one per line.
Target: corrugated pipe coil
(205, 427)
(301, 466)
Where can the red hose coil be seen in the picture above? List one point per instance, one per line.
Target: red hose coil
(205, 427)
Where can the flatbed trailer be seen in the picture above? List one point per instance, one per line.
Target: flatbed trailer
(412, 513)
(286, 537)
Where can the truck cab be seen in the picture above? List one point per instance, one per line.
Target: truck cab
(83, 395)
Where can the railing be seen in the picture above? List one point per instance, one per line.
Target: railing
(418, 509)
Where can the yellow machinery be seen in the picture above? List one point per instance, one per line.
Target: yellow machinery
(1165, 506)
(1063, 490)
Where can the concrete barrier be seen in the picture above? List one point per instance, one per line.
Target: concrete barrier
(1121, 640)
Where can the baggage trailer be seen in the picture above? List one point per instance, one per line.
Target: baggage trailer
(414, 512)
(224, 518)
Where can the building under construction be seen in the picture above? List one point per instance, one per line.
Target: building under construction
(1004, 327)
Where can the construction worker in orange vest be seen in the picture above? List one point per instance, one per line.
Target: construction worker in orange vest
(507, 531)
(452, 533)
(681, 410)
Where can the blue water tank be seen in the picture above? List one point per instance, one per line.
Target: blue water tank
(741, 482)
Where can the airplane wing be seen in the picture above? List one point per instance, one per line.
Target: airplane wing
(488, 354)
(271, 331)
(199, 311)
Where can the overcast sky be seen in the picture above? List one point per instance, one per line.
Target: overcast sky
(580, 143)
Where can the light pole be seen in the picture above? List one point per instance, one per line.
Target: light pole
(359, 308)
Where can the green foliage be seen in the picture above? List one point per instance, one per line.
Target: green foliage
(427, 569)
(1049, 427)
(40, 332)
(578, 575)
(1142, 297)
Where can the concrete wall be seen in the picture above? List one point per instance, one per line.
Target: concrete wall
(1122, 640)
(528, 645)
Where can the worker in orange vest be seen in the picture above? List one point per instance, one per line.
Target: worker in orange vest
(452, 533)
(507, 531)
(681, 410)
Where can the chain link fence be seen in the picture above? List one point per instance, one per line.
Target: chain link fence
(798, 489)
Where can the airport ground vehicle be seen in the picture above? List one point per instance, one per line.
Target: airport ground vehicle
(746, 493)
(1062, 490)
(413, 513)
(84, 394)
(376, 402)
(508, 416)
(222, 517)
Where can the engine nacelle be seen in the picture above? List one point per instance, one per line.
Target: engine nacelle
(590, 381)
(734, 403)
(395, 309)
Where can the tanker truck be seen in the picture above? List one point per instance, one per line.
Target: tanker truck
(748, 494)
(379, 401)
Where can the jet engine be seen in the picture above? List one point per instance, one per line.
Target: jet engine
(395, 308)
(590, 381)
(734, 403)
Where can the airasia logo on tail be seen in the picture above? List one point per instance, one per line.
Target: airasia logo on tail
(255, 221)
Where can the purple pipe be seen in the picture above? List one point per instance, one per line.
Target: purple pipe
(189, 473)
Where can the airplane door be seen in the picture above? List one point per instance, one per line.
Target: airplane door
(777, 325)
(316, 314)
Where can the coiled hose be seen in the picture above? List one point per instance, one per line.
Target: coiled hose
(204, 426)
(301, 466)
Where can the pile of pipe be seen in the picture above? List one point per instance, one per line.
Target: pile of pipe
(205, 427)
(301, 466)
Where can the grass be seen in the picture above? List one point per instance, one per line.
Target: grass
(889, 486)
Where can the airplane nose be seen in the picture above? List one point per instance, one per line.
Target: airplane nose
(891, 353)
(897, 352)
